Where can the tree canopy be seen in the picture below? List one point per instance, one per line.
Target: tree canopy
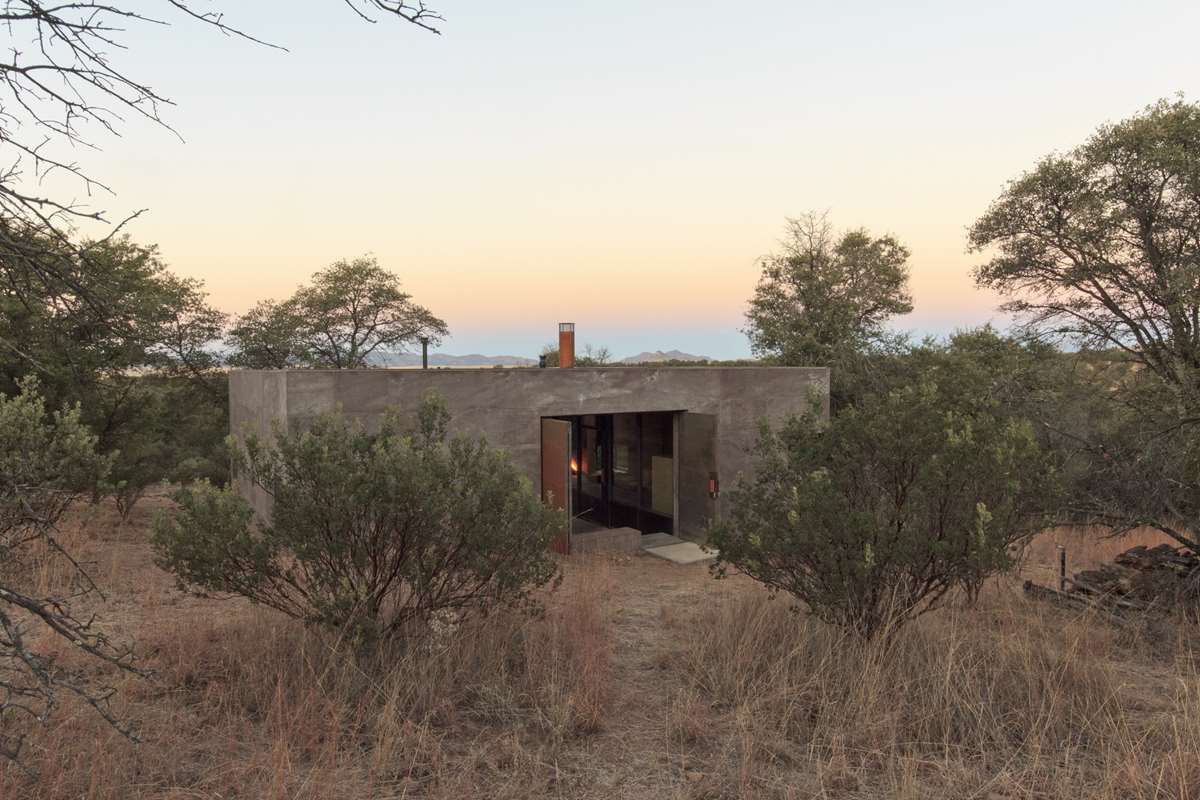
(267, 336)
(145, 375)
(825, 294)
(1101, 246)
(350, 310)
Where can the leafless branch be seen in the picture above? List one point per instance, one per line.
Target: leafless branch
(62, 87)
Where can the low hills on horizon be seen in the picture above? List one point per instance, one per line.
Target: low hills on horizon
(391, 359)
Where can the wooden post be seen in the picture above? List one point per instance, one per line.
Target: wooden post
(1062, 568)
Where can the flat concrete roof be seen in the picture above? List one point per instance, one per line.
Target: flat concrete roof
(551, 370)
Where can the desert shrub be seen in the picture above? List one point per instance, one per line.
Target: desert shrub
(873, 518)
(46, 461)
(136, 358)
(369, 531)
(169, 429)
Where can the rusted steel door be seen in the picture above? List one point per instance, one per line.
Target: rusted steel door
(556, 475)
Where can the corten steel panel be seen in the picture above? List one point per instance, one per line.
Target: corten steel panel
(506, 405)
(556, 476)
(697, 455)
(566, 348)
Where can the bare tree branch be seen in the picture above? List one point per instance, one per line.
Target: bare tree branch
(62, 87)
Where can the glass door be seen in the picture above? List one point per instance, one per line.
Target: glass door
(643, 472)
(590, 468)
(622, 471)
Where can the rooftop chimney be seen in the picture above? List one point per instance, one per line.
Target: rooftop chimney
(566, 344)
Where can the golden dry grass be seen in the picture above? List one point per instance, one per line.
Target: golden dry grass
(640, 680)
(1003, 700)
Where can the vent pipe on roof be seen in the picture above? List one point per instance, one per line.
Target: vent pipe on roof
(566, 344)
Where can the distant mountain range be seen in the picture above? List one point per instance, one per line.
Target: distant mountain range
(447, 360)
(398, 360)
(661, 355)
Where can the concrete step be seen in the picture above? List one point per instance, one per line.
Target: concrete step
(658, 540)
(682, 553)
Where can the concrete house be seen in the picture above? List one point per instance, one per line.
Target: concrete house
(624, 450)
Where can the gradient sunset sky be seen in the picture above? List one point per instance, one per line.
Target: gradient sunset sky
(621, 166)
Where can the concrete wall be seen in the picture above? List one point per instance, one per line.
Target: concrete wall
(696, 457)
(506, 405)
(257, 402)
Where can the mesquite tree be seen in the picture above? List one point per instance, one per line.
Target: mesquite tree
(350, 311)
(826, 295)
(1100, 247)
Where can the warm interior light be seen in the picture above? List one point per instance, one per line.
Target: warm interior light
(574, 465)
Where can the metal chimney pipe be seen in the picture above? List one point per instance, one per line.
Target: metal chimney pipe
(566, 344)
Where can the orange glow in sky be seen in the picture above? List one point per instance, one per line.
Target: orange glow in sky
(559, 162)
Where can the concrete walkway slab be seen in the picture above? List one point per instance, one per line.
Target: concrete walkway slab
(650, 540)
(682, 553)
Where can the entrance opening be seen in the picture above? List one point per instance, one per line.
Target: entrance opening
(621, 471)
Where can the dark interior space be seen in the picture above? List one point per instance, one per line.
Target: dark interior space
(622, 470)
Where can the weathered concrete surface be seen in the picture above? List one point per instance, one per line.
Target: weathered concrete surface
(257, 405)
(652, 540)
(724, 406)
(683, 553)
(697, 442)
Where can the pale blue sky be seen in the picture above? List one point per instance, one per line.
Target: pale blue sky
(621, 167)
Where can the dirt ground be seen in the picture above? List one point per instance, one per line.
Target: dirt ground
(655, 734)
(642, 597)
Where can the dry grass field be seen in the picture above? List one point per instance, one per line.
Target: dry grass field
(640, 680)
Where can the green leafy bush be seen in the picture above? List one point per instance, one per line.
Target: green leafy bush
(369, 531)
(136, 358)
(873, 518)
(46, 461)
(169, 431)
